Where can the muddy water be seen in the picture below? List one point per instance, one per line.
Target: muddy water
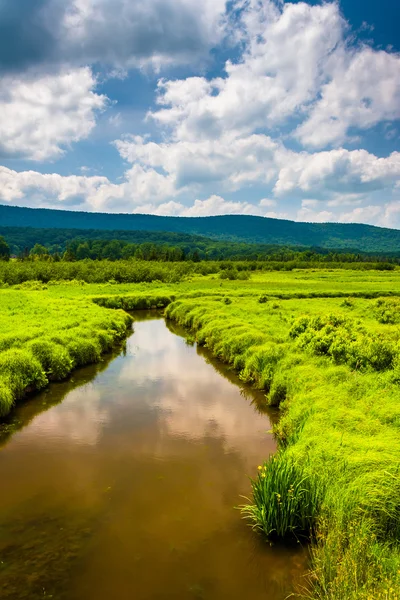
(120, 484)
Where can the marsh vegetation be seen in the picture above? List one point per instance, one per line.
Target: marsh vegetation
(322, 345)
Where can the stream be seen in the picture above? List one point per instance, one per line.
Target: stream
(121, 483)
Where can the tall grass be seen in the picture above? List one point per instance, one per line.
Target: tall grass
(286, 501)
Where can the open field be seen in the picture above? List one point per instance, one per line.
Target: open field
(325, 347)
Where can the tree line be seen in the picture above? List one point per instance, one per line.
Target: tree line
(191, 250)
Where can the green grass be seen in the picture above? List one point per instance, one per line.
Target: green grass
(43, 339)
(286, 501)
(325, 348)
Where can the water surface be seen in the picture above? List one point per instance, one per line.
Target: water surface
(120, 483)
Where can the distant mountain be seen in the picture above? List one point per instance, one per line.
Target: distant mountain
(235, 228)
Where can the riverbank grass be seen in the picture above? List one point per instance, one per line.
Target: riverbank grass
(332, 367)
(43, 339)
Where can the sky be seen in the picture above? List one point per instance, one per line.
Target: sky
(193, 108)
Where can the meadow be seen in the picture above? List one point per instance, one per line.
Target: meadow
(324, 345)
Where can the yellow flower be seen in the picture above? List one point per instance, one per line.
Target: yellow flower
(259, 467)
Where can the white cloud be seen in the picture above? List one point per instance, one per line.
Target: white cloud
(267, 202)
(215, 205)
(308, 215)
(391, 215)
(281, 71)
(41, 115)
(146, 191)
(340, 170)
(340, 176)
(364, 90)
(298, 64)
(86, 192)
(39, 187)
(362, 215)
(230, 161)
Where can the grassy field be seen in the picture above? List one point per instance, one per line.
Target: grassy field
(325, 347)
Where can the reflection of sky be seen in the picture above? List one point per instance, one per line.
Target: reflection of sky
(80, 419)
(161, 383)
(194, 400)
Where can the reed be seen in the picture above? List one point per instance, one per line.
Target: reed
(286, 500)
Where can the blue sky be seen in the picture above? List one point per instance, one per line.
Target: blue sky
(181, 107)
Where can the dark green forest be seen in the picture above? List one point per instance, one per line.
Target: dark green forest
(232, 228)
(27, 243)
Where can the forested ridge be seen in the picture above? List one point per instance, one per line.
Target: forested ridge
(233, 228)
(70, 244)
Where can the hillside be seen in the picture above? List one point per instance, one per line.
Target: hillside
(238, 228)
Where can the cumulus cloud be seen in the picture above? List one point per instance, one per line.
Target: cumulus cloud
(40, 115)
(229, 160)
(142, 191)
(84, 192)
(364, 90)
(46, 188)
(340, 171)
(117, 33)
(375, 214)
(215, 205)
(338, 175)
(298, 65)
(282, 70)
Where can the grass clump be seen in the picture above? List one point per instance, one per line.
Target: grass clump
(20, 372)
(54, 358)
(285, 499)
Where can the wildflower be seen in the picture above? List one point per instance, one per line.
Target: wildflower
(259, 467)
